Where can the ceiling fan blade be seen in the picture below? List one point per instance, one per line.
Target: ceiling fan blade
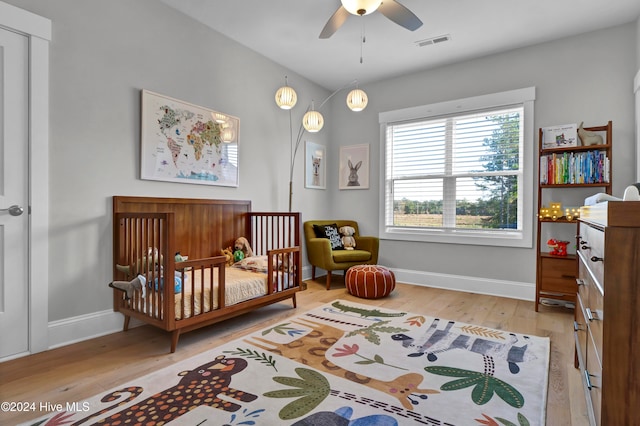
(335, 22)
(400, 15)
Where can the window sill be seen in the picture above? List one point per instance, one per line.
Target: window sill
(459, 236)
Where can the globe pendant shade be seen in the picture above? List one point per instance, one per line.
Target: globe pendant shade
(357, 100)
(361, 7)
(313, 121)
(286, 97)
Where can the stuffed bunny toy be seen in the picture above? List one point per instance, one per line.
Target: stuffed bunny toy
(348, 241)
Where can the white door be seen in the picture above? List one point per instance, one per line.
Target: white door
(14, 217)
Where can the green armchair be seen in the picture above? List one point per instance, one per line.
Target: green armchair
(320, 254)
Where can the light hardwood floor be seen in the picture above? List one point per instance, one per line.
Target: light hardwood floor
(75, 372)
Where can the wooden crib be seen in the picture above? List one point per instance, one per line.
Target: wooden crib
(181, 296)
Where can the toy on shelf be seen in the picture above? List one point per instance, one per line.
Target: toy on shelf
(558, 248)
(555, 212)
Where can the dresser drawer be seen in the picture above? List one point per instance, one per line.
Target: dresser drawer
(591, 247)
(594, 373)
(581, 329)
(595, 316)
(558, 275)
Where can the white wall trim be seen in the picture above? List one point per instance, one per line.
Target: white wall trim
(84, 327)
(501, 288)
(38, 31)
(76, 329)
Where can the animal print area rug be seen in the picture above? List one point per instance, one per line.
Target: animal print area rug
(342, 364)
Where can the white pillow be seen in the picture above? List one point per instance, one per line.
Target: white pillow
(253, 263)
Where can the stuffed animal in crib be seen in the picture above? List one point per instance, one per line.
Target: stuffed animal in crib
(228, 254)
(242, 244)
(558, 248)
(348, 241)
(129, 287)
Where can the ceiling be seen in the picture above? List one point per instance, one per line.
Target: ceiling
(286, 31)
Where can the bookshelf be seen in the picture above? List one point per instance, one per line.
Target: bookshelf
(562, 172)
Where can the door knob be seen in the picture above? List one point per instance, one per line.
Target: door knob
(14, 210)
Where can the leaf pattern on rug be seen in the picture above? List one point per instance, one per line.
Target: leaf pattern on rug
(417, 320)
(248, 353)
(522, 421)
(482, 331)
(284, 330)
(246, 414)
(371, 333)
(484, 385)
(347, 350)
(311, 389)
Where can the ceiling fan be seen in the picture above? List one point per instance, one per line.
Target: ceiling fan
(389, 8)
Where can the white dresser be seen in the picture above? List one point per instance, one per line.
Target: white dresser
(607, 326)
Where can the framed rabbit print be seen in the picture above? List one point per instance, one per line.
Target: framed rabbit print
(354, 167)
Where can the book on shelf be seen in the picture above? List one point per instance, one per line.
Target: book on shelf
(574, 168)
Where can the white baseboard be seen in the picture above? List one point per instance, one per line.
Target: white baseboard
(84, 327)
(76, 329)
(510, 289)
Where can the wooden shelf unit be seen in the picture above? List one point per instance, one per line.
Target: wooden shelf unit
(556, 275)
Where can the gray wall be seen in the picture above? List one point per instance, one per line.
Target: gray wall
(585, 78)
(104, 52)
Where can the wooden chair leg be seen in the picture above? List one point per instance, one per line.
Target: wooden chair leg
(126, 323)
(313, 272)
(328, 280)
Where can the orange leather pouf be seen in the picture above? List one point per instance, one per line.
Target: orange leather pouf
(370, 281)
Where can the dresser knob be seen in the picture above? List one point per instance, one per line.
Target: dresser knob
(585, 247)
(597, 259)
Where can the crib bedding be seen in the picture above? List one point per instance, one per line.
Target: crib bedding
(240, 286)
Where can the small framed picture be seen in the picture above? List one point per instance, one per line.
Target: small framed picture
(315, 166)
(354, 167)
(563, 136)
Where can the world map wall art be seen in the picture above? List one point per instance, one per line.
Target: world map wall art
(187, 143)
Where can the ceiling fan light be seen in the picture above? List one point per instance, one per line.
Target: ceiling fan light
(357, 100)
(286, 97)
(313, 121)
(361, 7)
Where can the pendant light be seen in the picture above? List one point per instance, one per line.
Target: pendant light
(312, 120)
(357, 100)
(286, 97)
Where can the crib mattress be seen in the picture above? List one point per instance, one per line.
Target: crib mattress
(240, 286)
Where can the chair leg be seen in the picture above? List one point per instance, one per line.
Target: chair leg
(313, 272)
(328, 280)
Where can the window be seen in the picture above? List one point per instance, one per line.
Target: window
(461, 171)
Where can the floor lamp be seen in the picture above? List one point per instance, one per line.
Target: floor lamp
(312, 121)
